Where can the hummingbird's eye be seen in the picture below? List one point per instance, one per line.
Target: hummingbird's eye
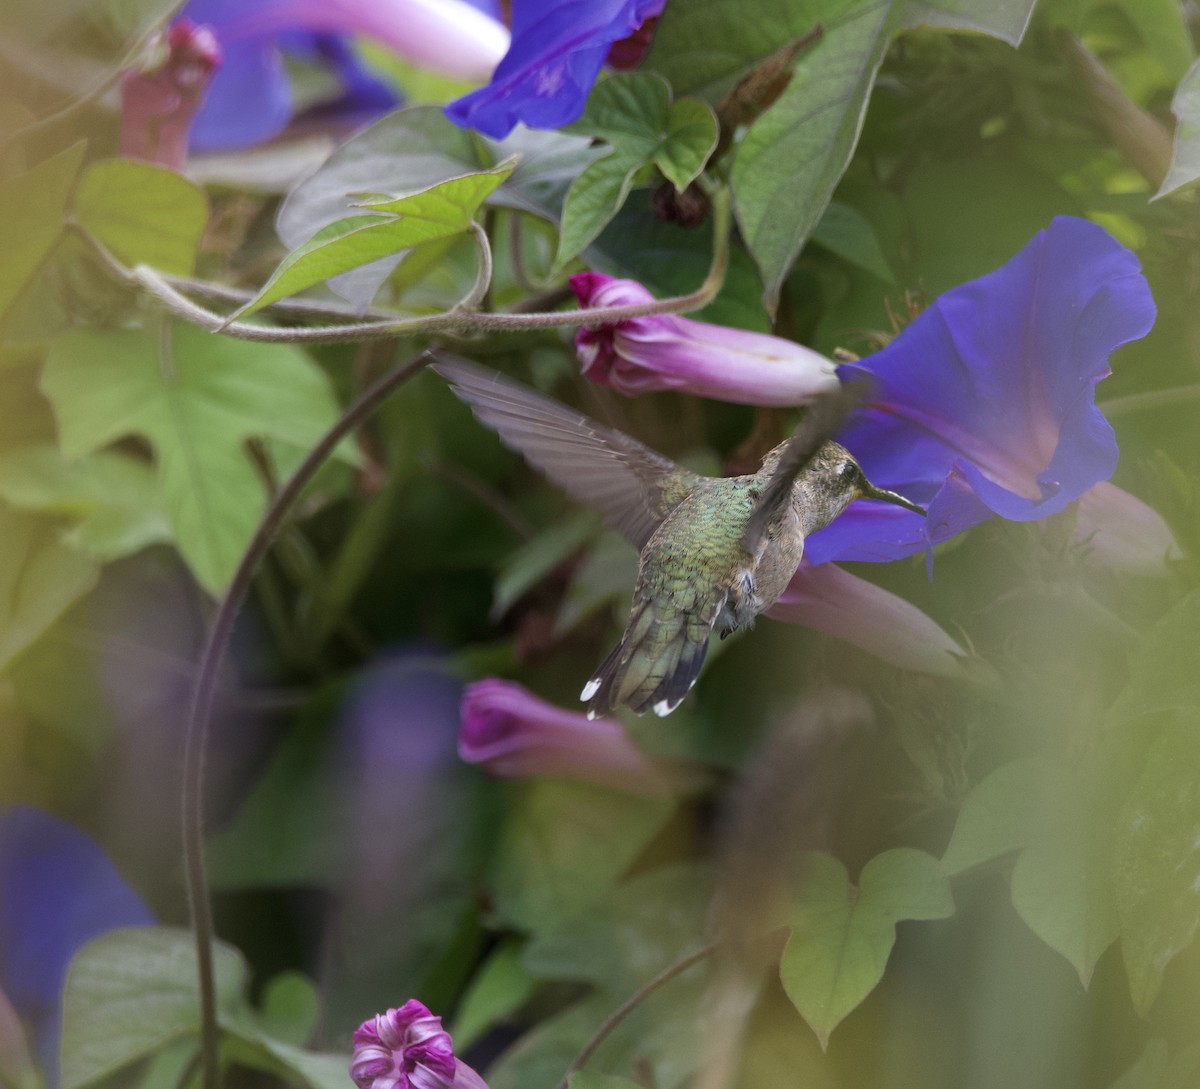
(848, 471)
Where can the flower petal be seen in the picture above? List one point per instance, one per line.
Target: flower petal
(829, 598)
(370, 1061)
(510, 732)
(1122, 532)
(667, 352)
(251, 71)
(991, 392)
(558, 48)
(448, 36)
(467, 1078)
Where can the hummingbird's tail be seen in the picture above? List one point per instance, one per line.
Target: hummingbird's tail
(653, 666)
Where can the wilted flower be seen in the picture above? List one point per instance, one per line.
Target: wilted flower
(558, 48)
(408, 1049)
(985, 404)
(829, 598)
(58, 891)
(250, 99)
(158, 104)
(510, 732)
(627, 53)
(667, 352)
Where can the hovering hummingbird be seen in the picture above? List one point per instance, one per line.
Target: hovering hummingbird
(715, 551)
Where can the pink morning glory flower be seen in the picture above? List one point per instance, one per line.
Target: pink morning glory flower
(408, 1049)
(1119, 531)
(830, 599)
(508, 731)
(667, 352)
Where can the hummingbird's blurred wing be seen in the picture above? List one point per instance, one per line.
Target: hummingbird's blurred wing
(634, 487)
(821, 419)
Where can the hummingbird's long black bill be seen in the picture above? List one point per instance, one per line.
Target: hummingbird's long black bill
(869, 491)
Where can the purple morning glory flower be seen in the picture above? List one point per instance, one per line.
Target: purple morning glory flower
(58, 891)
(250, 101)
(408, 1049)
(558, 48)
(985, 404)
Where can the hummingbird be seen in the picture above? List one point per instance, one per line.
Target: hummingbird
(714, 551)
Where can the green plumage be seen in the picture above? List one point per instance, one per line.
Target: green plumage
(715, 552)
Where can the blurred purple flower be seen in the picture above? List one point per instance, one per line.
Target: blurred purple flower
(558, 48)
(158, 104)
(985, 404)
(510, 732)
(829, 598)
(665, 351)
(58, 891)
(408, 1049)
(250, 99)
(397, 736)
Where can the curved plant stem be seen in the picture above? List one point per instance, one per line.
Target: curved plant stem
(483, 275)
(294, 307)
(460, 320)
(631, 1003)
(203, 692)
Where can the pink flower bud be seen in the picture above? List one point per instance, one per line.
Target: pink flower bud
(157, 105)
(831, 599)
(665, 351)
(408, 1049)
(1121, 532)
(510, 732)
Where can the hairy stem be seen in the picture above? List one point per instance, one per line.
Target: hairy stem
(483, 276)
(203, 693)
(460, 320)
